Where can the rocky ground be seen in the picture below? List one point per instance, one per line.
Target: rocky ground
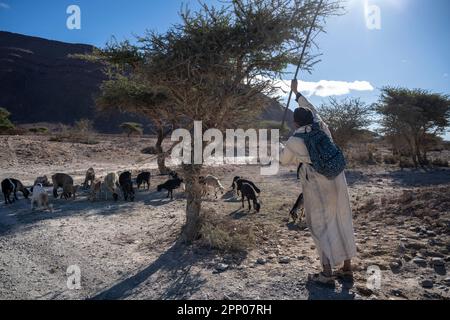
(130, 250)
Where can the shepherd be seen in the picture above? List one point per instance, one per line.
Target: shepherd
(327, 203)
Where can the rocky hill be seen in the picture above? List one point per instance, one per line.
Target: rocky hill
(39, 82)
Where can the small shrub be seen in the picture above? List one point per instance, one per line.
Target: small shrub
(38, 130)
(406, 163)
(130, 128)
(82, 132)
(5, 124)
(389, 159)
(440, 163)
(225, 234)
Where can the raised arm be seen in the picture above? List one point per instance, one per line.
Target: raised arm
(300, 99)
(304, 103)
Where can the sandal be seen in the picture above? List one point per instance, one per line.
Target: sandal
(321, 278)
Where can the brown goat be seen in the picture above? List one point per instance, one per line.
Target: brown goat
(64, 181)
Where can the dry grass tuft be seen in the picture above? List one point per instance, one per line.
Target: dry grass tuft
(224, 233)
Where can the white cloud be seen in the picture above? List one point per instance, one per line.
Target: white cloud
(4, 5)
(326, 88)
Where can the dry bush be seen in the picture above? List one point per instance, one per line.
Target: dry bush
(82, 132)
(407, 163)
(363, 155)
(438, 162)
(39, 130)
(225, 234)
(390, 159)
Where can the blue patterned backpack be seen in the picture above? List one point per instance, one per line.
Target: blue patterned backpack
(326, 157)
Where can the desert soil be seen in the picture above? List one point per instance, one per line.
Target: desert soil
(129, 250)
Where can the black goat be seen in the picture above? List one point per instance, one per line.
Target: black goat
(249, 192)
(170, 185)
(142, 179)
(126, 185)
(237, 185)
(300, 203)
(173, 175)
(11, 186)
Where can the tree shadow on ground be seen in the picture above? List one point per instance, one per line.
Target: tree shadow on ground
(317, 291)
(239, 214)
(170, 275)
(419, 178)
(19, 214)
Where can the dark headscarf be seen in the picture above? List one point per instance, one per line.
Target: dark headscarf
(303, 117)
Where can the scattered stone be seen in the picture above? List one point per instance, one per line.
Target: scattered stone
(438, 262)
(364, 291)
(261, 261)
(447, 281)
(221, 267)
(420, 262)
(427, 283)
(284, 260)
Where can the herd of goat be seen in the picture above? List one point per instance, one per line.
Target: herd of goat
(113, 183)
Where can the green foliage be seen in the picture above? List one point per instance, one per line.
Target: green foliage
(270, 124)
(42, 130)
(413, 119)
(346, 119)
(132, 128)
(5, 123)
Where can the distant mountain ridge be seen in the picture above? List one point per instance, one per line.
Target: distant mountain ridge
(40, 83)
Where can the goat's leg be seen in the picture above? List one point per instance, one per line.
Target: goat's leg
(297, 204)
(15, 195)
(55, 193)
(7, 200)
(249, 205)
(243, 204)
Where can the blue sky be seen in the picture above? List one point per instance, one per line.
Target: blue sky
(410, 49)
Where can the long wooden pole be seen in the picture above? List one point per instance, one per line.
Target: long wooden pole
(301, 59)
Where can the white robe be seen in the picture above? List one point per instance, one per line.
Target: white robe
(327, 203)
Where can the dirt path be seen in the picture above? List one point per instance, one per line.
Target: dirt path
(130, 250)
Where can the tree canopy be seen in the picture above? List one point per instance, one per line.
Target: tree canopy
(415, 116)
(346, 119)
(215, 66)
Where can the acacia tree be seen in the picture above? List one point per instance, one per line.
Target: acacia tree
(346, 119)
(413, 116)
(134, 94)
(214, 65)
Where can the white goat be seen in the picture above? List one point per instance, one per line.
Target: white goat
(211, 182)
(40, 197)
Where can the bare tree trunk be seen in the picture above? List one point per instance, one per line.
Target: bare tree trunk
(193, 203)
